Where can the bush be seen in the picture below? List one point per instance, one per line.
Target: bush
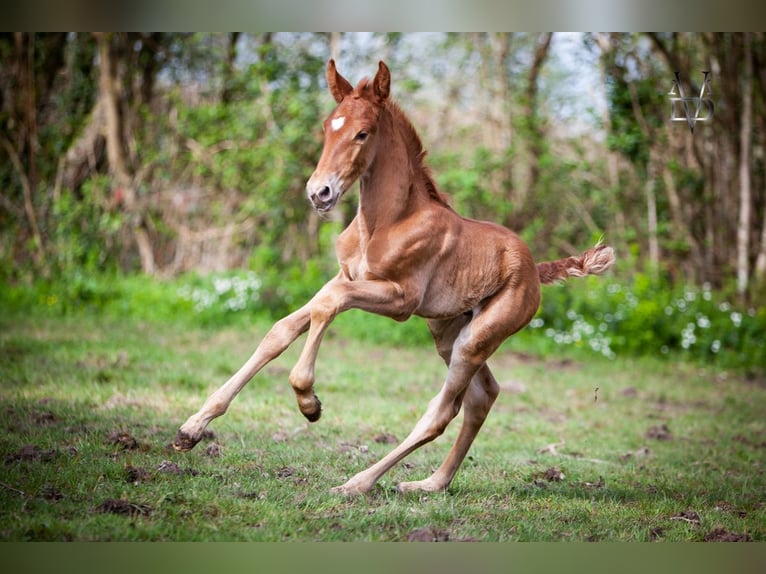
(646, 317)
(594, 316)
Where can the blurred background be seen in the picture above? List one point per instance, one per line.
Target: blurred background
(163, 174)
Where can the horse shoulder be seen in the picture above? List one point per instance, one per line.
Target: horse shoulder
(348, 250)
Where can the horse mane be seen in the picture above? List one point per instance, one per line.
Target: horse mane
(417, 151)
(413, 142)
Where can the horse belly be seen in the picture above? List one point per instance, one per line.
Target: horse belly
(465, 282)
(442, 300)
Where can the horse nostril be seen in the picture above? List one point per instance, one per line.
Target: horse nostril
(324, 194)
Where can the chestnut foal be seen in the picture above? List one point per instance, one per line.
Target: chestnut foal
(406, 253)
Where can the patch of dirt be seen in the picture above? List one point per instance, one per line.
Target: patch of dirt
(742, 439)
(554, 474)
(123, 439)
(659, 432)
(51, 493)
(689, 516)
(600, 483)
(656, 534)
(253, 495)
(169, 467)
(208, 434)
(724, 506)
(386, 438)
(428, 535)
(289, 472)
(123, 507)
(352, 447)
(213, 450)
(44, 418)
(722, 535)
(31, 453)
(642, 452)
(135, 475)
(551, 448)
(629, 392)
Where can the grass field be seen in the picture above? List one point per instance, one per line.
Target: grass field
(574, 450)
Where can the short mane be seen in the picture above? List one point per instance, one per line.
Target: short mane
(412, 140)
(416, 150)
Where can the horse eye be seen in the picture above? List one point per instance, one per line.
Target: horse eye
(361, 136)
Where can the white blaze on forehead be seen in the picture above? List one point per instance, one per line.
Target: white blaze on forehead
(337, 123)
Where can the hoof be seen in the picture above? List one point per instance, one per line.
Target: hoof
(184, 442)
(348, 491)
(313, 415)
(421, 486)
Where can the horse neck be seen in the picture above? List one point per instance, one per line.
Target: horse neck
(389, 189)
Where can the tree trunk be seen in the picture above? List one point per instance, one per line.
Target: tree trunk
(124, 185)
(745, 194)
(535, 134)
(227, 74)
(27, 170)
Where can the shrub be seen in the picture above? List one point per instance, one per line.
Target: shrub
(644, 316)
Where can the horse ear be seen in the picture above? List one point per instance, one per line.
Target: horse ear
(382, 83)
(339, 86)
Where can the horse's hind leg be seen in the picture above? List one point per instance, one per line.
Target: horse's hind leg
(441, 410)
(281, 335)
(478, 401)
(475, 340)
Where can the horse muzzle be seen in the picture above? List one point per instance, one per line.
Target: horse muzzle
(324, 196)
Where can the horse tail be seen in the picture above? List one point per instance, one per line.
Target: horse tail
(594, 261)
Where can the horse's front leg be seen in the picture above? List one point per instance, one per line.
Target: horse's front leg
(281, 335)
(380, 297)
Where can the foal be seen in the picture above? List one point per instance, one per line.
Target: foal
(405, 253)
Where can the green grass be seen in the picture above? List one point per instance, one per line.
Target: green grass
(90, 404)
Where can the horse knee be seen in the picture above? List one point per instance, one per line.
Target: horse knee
(286, 330)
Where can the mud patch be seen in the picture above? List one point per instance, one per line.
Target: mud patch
(169, 467)
(600, 483)
(656, 534)
(724, 506)
(44, 418)
(213, 450)
(688, 516)
(742, 439)
(642, 452)
(428, 535)
(288, 472)
(659, 432)
(135, 475)
(386, 438)
(31, 453)
(722, 535)
(123, 440)
(51, 493)
(552, 474)
(123, 507)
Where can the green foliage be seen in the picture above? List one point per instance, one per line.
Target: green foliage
(84, 231)
(597, 316)
(465, 182)
(644, 316)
